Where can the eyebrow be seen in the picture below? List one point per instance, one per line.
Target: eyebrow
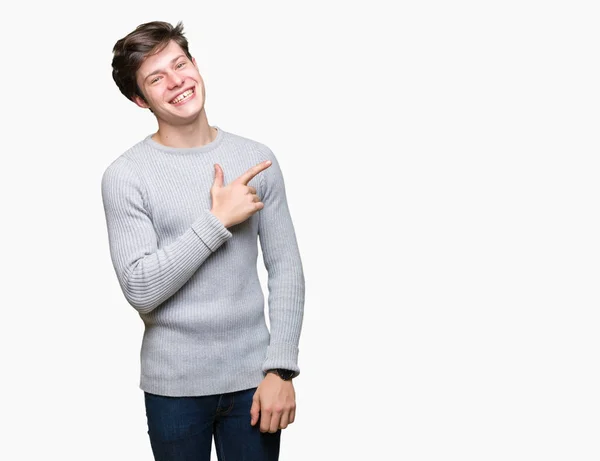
(158, 71)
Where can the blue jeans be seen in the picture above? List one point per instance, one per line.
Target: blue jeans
(181, 428)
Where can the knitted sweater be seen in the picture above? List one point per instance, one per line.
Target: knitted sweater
(195, 282)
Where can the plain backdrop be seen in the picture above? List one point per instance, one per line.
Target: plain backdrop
(441, 165)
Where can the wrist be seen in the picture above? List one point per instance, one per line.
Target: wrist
(220, 218)
(282, 373)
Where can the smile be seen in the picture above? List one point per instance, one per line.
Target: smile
(183, 96)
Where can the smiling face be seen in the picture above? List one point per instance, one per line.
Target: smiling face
(172, 86)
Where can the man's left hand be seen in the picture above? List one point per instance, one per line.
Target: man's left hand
(275, 401)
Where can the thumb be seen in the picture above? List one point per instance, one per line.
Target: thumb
(218, 176)
(254, 409)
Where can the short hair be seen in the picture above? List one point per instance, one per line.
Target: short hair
(130, 52)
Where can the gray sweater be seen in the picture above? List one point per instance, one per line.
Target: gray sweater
(195, 282)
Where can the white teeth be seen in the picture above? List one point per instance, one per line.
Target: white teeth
(182, 96)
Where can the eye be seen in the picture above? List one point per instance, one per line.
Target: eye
(154, 80)
(181, 64)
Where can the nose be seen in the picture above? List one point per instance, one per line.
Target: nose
(175, 80)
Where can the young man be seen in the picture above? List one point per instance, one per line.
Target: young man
(184, 209)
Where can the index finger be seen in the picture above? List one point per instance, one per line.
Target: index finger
(248, 175)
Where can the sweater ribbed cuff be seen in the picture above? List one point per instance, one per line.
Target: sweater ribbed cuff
(282, 355)
(210, 230)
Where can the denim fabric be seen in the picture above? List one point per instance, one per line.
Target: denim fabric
(181, 428)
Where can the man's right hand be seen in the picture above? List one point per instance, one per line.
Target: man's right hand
(236, 202)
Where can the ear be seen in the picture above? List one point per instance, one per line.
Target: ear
(140, 102)
(195, 63)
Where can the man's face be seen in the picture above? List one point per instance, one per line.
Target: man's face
(172, 85)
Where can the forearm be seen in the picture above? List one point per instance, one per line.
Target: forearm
(286, 306)
(153, 278)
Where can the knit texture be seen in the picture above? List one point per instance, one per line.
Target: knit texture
(195, 282)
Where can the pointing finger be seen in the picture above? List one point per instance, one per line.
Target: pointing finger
(248, 175)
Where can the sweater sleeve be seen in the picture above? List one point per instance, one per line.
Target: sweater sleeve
(149, 275)
(284, 267)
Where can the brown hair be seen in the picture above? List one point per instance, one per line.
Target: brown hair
(130, 51)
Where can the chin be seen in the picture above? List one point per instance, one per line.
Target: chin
(180, 119)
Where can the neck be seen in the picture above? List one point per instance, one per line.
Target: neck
(196, 134)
